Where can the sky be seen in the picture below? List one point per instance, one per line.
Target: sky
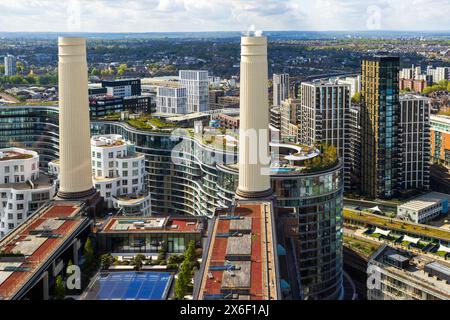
(222, 15)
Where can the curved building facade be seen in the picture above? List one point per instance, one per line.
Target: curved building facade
(187, 176)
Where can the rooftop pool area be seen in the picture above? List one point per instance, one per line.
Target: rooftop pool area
(130, 285)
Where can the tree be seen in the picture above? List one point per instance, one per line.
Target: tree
(182, 282)
(189, 255)
(88, 253)
(356, 98)
(106, 260)
(60, 288)
(138, 261)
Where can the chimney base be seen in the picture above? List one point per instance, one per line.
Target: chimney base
(254, 195)
(76, 195)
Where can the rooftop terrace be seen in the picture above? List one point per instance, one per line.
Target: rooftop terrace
(35, 242)
(241, 255)
(153, 224)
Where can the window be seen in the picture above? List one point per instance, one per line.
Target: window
(125, 165)
(124, 173)
(135, 164)
(19, 196)
(6, 169)
(20, 206)
(111, 155)
(99, 155)
(108, 186)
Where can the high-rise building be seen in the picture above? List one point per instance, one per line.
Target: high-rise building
(322, 117)
(280, 88)
(123, 87)
(171, 99)
(23, 189)
(380, 117)
(10, 65)
(414, 142)
(438, 74)
(196, 83)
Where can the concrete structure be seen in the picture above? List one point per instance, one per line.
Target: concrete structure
(23, 189)
(10, 65)
(171, 99)
(123, 87)
(353, 82)
(280, 88)
(254, 160)
(424, 208)
(440, 139)
(400, 275)
(380, 154)
(414, 143)
(289, 125)
(197, 89)
(74, 133)
(438, 74)
(104, 105)
(413, 85)
(353, 134)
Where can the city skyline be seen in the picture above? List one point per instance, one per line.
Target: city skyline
(235, 15)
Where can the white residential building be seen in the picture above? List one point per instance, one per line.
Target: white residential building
(280, 88)
(196, 83)
(23, 189)
(424, 208)
(353, 82)
(171, 99)
(438, 74)
(118, 173)
(10, 65)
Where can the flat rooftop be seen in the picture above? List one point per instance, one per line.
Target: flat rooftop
(152, 224)
(37, 240)
(238, 262)
(425, 201)
(418, 270)
(7, 155)
(43, 181)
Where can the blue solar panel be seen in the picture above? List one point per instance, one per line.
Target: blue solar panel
(131, 285)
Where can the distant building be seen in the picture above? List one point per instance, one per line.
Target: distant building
(413, 85)
(197, 89)
(440, 140)
(380, 115)
(280, 88)
(424, 208)
(438, 74)
(105, 105)
(214, 96)
(354, 83)
(289, 126)
(414, 143)
(138, 104)
(23, 189)
(171, 99)
(228, 122)
(401, 275)
(123, 88)
(275, 118)
(10, 65)
(97, 92)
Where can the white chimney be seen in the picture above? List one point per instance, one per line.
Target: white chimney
(74, 128)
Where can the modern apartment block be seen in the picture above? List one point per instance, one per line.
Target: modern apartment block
(280, 88)
(171, 99)
(23, 189)
(322, 116)
(118, 173)
(10, 65)
(197, 89)
(440, 140)
(123, 88)
(438, 74)
(400, 275)
(380, 116)
(289, 120)
(414, 143)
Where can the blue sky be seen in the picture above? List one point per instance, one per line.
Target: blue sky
(222, 15)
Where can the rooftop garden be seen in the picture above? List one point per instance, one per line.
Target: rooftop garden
(326, 160)
(363, 247)
(146, 122)
(394, 224)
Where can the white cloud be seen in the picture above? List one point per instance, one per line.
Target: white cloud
(221, 15)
